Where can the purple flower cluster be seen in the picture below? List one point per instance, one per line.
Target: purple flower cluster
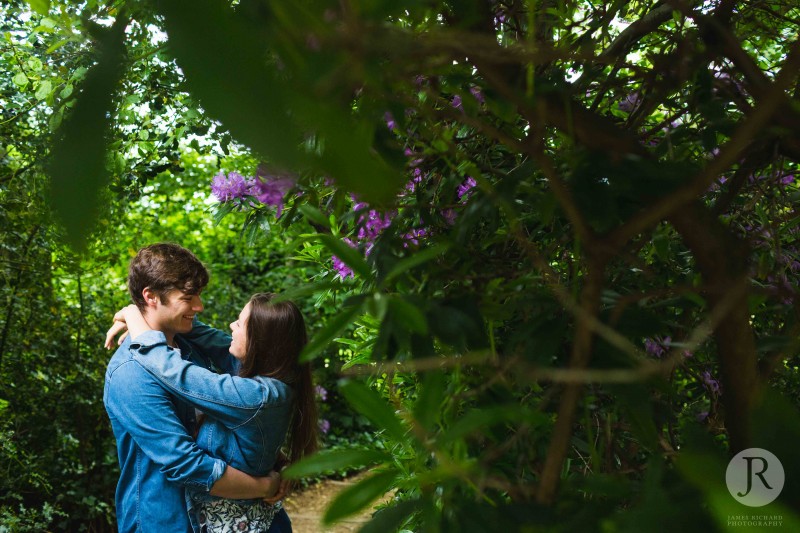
(321, 392)
(266, 187)
(711, 384)
(271, 187)
(657, 347)
(417, 178)
(466, 189)
(341, 268)
(630, 102)
(324, 426)
(372, 222)
(232, 187)
(390, 122)
(413, 237)
(476, 92)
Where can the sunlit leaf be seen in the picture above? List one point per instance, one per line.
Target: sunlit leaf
(416, 259)
(370, 404)
(389, 519)
(332, 460)
(40, 6)
(355, 498)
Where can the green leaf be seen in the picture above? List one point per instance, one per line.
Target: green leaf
(409, 314)
(331, 330)
(44, 90)
(431, 395)
(391, 518)
(355, 498)
(370, 404)
(77, 164)
(417, 259)
(40, 6)
(20, 79)
(350, 256)
(314, 215)
(305, 290)
(484, 418)
(332, 460)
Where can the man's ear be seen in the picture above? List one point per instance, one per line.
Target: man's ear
(150, 297)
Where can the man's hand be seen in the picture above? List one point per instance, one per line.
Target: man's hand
(272, 484)
(286, 486)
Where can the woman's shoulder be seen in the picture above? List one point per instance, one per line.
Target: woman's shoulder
(275, 387)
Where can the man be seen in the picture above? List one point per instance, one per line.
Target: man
(157, 456)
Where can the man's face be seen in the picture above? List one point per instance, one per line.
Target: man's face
(175, 316)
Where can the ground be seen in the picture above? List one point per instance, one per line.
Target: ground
(307, 507)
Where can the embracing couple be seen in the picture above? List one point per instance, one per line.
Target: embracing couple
(200, 415)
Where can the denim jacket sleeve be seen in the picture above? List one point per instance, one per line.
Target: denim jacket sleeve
(147, 413)
(230, 399)
(213, 344)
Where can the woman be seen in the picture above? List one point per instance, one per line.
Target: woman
(247, 417)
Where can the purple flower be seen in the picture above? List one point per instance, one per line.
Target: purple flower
(413, 236)
(465, 189)
(342, 270)
(271, 187)
(657, 347)
(415, 161)
(630, 102)
(702, 416)
(324, 426)
(372, 223)
(456, 102)
(411, 186)
(787, 179)
(390, 123)
(476, 92)
(231, 187)
(653, 348)
(449, 216)
(711, 384)
(321, 392)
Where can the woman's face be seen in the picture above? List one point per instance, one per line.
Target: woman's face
(239, 334)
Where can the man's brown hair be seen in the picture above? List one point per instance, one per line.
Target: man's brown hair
(164, 267)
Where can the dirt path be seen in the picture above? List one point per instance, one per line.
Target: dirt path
(306, 508)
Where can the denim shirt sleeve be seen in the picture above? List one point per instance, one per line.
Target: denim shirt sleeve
(214, 344)
(230, 399)
(148, 415)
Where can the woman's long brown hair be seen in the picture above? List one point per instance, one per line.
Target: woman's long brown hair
(276, 334)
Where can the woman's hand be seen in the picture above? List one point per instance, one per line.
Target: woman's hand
(119, 325)
(123, 319)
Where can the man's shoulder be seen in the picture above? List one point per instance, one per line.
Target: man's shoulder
(122, 368)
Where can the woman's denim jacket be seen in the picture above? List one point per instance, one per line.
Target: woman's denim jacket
(248, 418)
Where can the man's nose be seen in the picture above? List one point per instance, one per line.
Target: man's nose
(197, 304)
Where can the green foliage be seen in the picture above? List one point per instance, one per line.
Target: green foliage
(580, 303)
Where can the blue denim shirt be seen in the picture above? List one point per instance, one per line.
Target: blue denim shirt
(157, 456)
(248, 418)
